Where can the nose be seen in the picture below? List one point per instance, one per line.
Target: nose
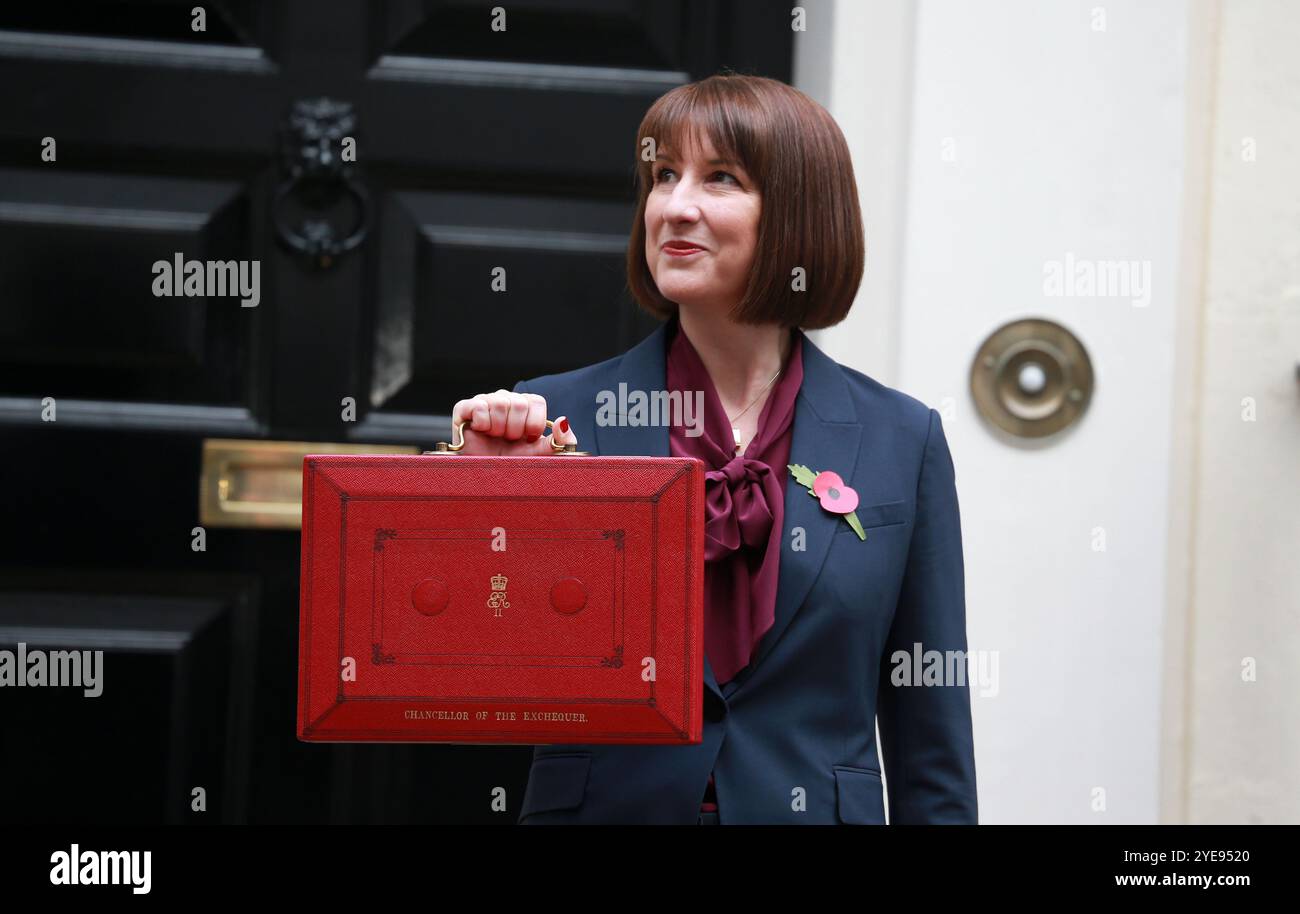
(682, 205)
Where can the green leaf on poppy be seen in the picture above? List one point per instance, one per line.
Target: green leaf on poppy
(802, 474)
(852, 518)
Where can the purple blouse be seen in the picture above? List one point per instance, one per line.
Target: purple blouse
(744, 502)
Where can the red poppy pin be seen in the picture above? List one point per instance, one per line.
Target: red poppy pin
(835, 496)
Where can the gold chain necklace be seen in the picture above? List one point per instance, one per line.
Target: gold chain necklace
(735, 432)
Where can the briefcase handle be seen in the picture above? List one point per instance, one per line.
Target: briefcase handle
(457, 431)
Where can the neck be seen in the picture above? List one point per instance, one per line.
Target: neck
(740, 358)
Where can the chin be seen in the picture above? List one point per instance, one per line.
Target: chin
(676, 284)
(684, 293)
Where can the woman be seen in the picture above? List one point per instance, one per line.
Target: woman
(748, 229)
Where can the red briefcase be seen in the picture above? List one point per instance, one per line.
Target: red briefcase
(516, 600)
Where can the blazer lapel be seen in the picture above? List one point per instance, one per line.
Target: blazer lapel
(827, 436)
(643, 368)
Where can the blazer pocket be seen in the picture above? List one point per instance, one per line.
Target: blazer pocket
(859, 796)
(885, 514)
(556, 781)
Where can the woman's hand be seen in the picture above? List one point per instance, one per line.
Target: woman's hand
(507, 424)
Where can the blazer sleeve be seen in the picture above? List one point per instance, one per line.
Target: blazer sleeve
(925, 730)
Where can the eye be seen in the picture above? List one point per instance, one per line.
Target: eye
(659, 175)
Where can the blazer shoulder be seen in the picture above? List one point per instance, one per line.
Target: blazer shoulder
(877, 403)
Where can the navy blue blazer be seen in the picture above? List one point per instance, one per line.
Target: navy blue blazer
(792, 739)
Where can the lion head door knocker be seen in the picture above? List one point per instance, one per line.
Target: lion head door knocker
(498, 598)
(1031, 378)
(317, 149)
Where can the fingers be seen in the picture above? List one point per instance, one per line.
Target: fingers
(516, 414)
(463, 411)
(475, 411)
(499, 411)
(513, 416)
(535, 424)
(503, 414)
(562, 432)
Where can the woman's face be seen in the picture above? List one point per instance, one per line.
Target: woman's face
(713, 205)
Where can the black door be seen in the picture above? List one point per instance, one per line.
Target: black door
(381, 164)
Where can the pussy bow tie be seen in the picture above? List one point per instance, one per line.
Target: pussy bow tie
(737, 507)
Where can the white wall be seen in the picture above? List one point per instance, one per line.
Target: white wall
(856, 60)
(1066, 139)
(1240, 740)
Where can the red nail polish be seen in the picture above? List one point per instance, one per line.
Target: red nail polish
(564, 426)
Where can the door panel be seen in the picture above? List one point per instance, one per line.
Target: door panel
(476, 150)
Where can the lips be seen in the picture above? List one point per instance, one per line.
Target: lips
(682, 247)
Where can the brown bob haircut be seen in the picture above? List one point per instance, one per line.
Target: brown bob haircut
(809, 217)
